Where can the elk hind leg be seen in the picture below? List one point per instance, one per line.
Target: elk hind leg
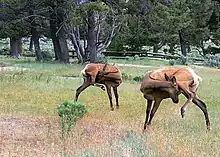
(116, 96)
(190, 96)
(100, 86)
(149, 105)
(203, 107)
(108, 88)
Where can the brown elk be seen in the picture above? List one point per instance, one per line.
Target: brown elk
(169, 83)
(101, 75)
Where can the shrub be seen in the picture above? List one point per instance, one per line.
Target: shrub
(102, 59)
(129, 77)
(126, 76)
(171, 62)
(4, 51)
(129, 58)
(47, 55)
(70, 112)
(182, 60)
(136, 57)
(138, 78)
(212, 60)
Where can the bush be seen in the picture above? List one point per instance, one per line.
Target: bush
(4, 51)
(102, 59)
(129, 58)
(70, 112)
(47, 55)
(182, 60)
(171, 62)
(126, 76)
(138, 78)
(129, 77)
(136, 57)
(70, 108)
(212, 60)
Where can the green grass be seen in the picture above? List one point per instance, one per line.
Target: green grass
(149, 62)
(30, 99)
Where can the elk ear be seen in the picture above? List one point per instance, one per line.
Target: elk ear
(173, 80)
(166, 77)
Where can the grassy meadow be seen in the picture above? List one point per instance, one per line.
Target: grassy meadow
(30, 125)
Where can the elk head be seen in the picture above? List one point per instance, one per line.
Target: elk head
(173, 89)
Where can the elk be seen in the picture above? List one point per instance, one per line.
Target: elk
(169, 83)
(101, 75)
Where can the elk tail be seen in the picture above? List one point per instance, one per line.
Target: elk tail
(83, 72)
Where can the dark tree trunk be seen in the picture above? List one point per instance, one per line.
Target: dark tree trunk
(19, 44)
(76, 47)
(31, 44)
(14, 47)
(182, 44)
(53, 30)
(35, 40)
(58, 36)
(92, 38)
(64, 53)
(155, 48)
(34, 33)
(171, 50)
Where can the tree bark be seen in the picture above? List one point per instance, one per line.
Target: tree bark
(19, 44)
(58, 36)
(92, 38)
(171, 50)
(31, 44)
(76, 46)
(64, 53)
(182, 44)
(53, 31)
(14, 47)
(35, 39)
(155, 48)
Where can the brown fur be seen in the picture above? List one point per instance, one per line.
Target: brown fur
(155, 88)
(99, 75)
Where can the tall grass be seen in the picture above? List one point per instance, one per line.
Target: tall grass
(29, 100)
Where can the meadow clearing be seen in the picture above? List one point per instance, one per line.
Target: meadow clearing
(30, 126)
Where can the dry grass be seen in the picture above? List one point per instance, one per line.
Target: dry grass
(30, 126)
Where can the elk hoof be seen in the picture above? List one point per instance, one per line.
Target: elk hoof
(146, 128)
(208, 129)
(182, 112)
(117, 107)
(112, 109)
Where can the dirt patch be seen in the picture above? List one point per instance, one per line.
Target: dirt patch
(26, 136)
(4, 64)
(41, 136)
(2, 69)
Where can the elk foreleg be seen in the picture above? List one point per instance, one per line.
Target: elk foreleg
(81, 88)
(116, 96)
(154, 110)
(203, 107)
(108, 88)
(149, 104)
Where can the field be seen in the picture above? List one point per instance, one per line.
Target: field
(30, 125)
